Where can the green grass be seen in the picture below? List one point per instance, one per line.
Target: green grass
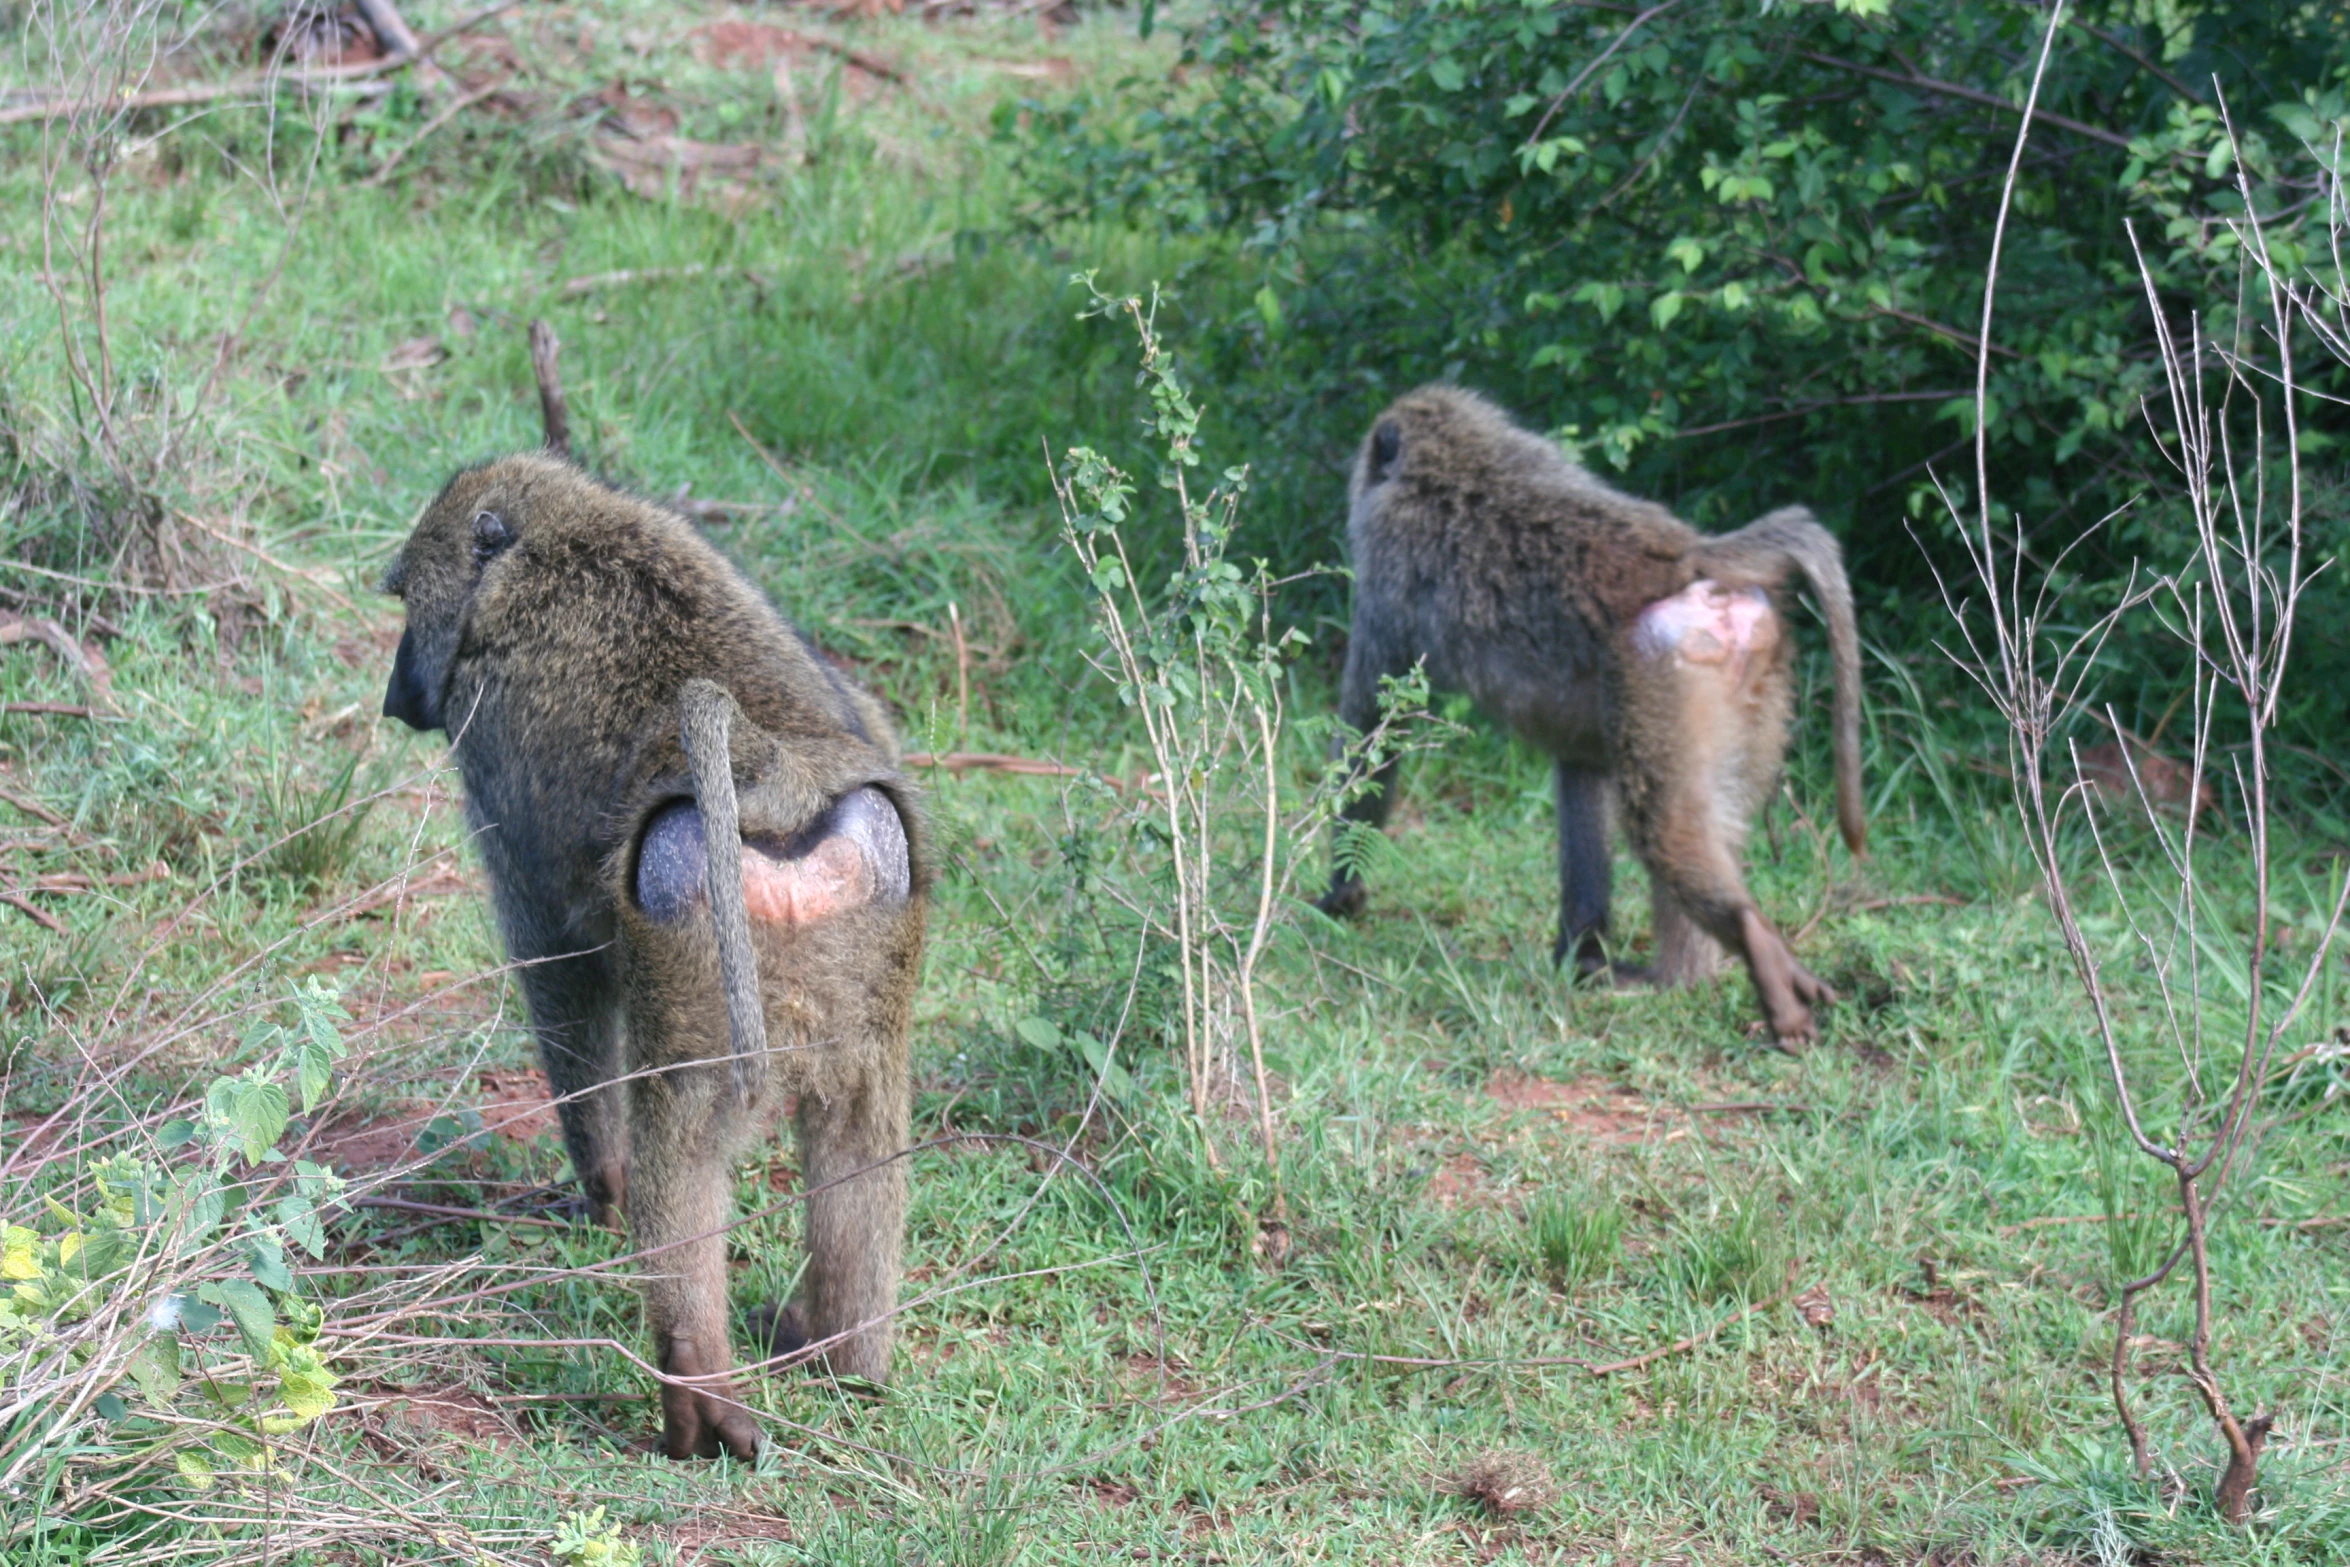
(1094, 1367)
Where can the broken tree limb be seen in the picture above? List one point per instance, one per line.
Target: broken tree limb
(554, 412)
(33, 808)
(455, 108)
(82, 659)
(390, 28)
(32, 911)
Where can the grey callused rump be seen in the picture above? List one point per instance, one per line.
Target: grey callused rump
(709, 869)
(1648, 660)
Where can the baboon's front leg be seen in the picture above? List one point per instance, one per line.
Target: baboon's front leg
(1584, 871)
(1369, 655)
(680, 1204)
(575, 1011)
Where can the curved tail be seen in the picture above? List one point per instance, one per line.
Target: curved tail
(1760, 554)
(705, 715)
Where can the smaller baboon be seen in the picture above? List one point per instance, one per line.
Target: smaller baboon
(643, 739)
(1631, 648)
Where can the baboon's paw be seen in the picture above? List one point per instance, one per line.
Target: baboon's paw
(702, 1419)
(1344, 900)
(853, 855)
(775, 1330)
(1706, 623)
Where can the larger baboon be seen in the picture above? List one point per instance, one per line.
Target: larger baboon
(1621, 641)
(709, 873)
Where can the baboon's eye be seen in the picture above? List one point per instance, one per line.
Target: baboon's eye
(491, 533)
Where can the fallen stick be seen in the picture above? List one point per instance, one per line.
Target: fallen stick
(86, 662)
(1514, 1362)
(858, 58)
(456, 107)
(61, 709)
(390, 28)
(1691, 1342)
(444, 1210)
(577, 286)
(213, 92)
(83, 881)
(961, 762)
(33, 808)
(445, 882)
(2061, 1218)
(38, 915)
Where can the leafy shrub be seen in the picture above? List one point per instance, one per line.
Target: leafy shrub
(1732, 250)
(121, 1273)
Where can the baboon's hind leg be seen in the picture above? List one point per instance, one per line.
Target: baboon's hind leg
(1705, 700)
(681, 1206)
(851, 1154)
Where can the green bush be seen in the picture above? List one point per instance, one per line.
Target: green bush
(1732, 250)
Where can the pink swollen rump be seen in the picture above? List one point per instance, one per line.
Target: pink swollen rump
(1706, 623)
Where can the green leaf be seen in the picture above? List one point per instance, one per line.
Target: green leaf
(265, 1254)
(155, 1369)
(1112, 1074)
(240, 1450)
(250, 1108)
(1269, 309)
(300, 1219)
(315, 1043)
(305, 1385)
(256, 1319)
(1665, 307)
(193, 1315)
(1687, 251)
(194, 1468)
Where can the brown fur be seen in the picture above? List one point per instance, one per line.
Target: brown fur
(595, 661)
(1520, 579)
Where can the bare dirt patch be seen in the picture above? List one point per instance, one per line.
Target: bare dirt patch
(513, 1102)
(1461, 1181)
(449, 1411)
(1588, 1106)
(517, 1103)
(707, 1531)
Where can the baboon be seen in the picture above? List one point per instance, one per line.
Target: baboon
(643, 738)
(1631, 648)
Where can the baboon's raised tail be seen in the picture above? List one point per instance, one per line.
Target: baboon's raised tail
(705, 720)
(1760, 554)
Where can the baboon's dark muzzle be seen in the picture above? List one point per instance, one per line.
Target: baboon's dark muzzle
(407, 698)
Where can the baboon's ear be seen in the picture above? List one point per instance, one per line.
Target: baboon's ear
(1386, 447)
(492, 535)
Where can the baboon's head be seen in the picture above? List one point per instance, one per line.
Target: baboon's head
(457, 548)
